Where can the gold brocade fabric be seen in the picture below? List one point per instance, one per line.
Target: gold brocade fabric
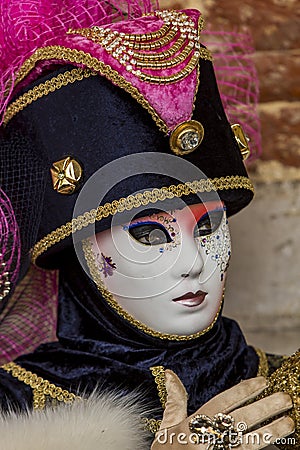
(287, 379)
(263, 365)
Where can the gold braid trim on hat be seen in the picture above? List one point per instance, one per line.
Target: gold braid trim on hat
(135, 201)
(43, 391)
(80, 57)
(90, 258)
(43, 89)
(94, 67)
(70, 55)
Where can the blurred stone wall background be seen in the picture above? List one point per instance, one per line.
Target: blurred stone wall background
(263, 288)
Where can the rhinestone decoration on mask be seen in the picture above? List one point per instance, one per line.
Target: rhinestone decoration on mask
(167, 221)
(174, 234)
(179, 37)
(218, 246)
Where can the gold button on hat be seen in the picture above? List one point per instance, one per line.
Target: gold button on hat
(241, 139)
(66, 175)
(186, 137)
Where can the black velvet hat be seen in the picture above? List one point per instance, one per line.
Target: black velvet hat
(143, 88)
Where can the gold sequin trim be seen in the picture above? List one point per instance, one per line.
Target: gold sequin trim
(158, 373)
(135, 201)
(44, 89)
(42, 389)
(263, 365)
(287, 379)
(80, 57)
(90, 258)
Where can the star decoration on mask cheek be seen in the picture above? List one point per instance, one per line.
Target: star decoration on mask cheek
(106, 265)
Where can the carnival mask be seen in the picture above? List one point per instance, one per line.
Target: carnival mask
(167, 269)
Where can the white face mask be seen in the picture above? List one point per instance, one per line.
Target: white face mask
(167, 270)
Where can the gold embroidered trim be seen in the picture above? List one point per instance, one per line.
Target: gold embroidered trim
(81, 57)
(90, 258)
(68, 77)
(287, 379)
(42, 389)
(135, 201)
(44, 89)
(158, 373)
(263, 365)
(152, 425)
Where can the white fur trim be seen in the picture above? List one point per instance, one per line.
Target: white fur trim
(102, 422)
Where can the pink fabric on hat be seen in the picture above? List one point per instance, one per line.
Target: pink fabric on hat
(173, 102)
(31, 24)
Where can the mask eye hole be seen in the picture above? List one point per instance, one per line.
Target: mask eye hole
(208, 223)
(149, 233)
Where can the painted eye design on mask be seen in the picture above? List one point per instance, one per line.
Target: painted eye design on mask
(149, 233)
(208, 223)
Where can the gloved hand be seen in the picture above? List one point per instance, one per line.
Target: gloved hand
(178, 432)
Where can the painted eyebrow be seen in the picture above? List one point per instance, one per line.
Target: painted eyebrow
(211, 211)
(145, 222)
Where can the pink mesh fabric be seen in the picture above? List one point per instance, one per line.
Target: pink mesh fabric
(10, 246)
(238, 81)
(30, 24)
(29, 318)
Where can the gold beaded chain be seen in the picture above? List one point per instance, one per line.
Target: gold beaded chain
(157, 56)
(130, 50)
(152, 425)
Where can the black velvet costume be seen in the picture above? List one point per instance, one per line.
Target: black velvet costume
(99, 348)
(95, 122)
